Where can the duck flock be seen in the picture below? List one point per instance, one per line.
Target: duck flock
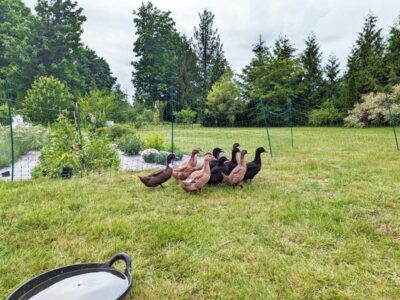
(214, 170)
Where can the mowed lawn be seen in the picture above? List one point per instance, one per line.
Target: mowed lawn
(321, 221)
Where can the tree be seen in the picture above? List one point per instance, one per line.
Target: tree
(392, 56)
(223, 101)
(59, 29)
(332, 77)
(155, 68)
(211, 59)
(188, 77)
(95, 71)
(283, 49)
(365, 63)
(46, 99)
(17, 50)
(312, 73)
(261, 57)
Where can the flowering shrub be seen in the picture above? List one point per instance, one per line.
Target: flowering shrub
(374, 110)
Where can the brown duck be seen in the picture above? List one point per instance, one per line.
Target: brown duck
(198, 179)
(159, 177)
(237, 175)
(187, 165)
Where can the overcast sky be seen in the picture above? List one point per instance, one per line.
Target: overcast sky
(109, 29)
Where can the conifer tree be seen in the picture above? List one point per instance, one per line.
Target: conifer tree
(312, 73)
(332, 78)
(392, 57)
(365, 63)
(211, 59)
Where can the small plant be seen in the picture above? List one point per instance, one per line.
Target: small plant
(149, 155)
(131, 144)
(156, 141)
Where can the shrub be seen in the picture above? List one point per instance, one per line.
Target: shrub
(99, 155)
(115, 132)
(155, 141)
(373, 110)
(62, 155)
(45, 99)
(131, 144)
(185, 116)
(153, 156)
(328, 114)
(149, 155)
(25, 139)
(98, 107)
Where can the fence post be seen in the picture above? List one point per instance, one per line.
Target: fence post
(392, 122)
(8, 94)
(265, 113)
(291, 120)
(172, 118)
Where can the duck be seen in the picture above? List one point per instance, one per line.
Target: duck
(218, 170)
(190, 163)
(216, 152)
(235, 178)
(159, 177)
(255, 166)
(233, 162)
(198, 179)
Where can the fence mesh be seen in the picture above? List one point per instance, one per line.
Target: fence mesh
(271, 127)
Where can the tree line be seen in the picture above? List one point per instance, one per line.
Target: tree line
(197, 71)
(43, 57)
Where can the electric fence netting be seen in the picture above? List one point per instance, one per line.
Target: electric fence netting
(73, 140)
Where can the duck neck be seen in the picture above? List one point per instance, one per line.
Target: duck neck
(234, 156)
(257, 158)
(169, 161)
(241, 161)
(206, 166)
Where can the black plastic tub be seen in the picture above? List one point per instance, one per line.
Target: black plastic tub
(92, 281)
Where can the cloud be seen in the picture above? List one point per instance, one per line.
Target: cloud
(109, 27)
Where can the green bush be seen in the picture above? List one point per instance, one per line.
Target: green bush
(178, 153)
(155, 141)
(149, 155)
(45, 99)
(328, 114)
(98, 107)
(115, 132)
(185, 116)
(161, 157)
(25, 139)
(153, 156)
(63, 156)
(99, 155)
(131, 144)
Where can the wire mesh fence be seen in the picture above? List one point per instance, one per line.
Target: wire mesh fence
(276, 128)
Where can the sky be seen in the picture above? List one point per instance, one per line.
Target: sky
(110, 32)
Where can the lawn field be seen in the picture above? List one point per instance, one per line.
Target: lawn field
(321, 221)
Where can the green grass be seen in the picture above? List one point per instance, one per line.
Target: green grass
(321, 221)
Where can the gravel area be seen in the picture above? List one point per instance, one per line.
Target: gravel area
(25, 164)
